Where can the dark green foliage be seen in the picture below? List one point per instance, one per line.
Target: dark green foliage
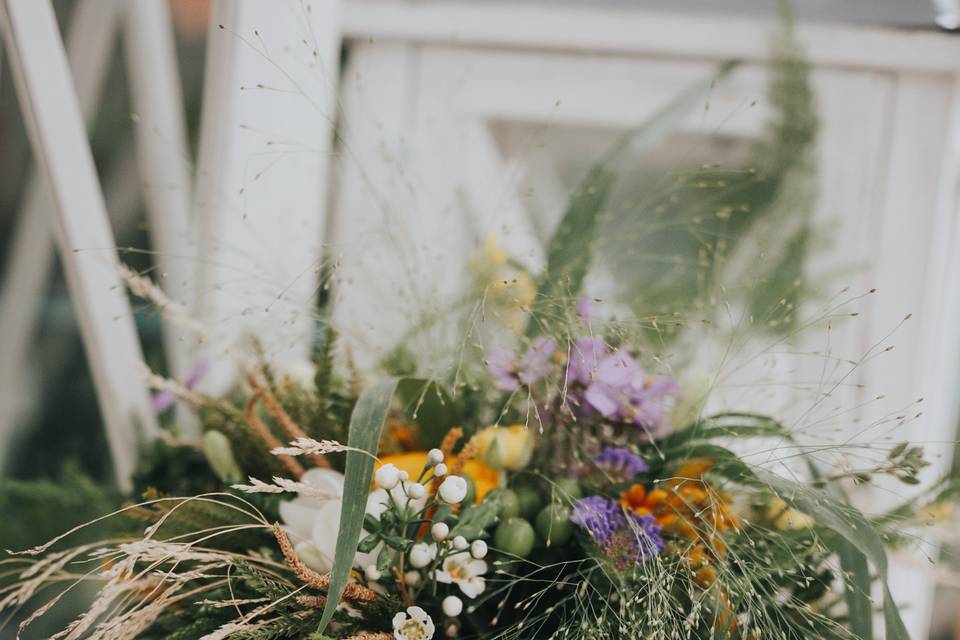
(178, 470)
(34, 511)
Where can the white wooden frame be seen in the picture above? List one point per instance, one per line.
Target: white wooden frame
(391, 36)
(58, 135)
(165, 176)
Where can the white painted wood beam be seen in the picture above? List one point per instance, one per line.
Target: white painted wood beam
(58, 136)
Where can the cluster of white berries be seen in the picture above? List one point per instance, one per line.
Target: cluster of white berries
(421, 555)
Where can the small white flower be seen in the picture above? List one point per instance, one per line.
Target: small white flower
(416, 490)
(452, 606)
(478, 549)
(440, 470)
(404, 476)
(418, 626)
(453, 490)
(422, 554)
(435, 456)
(411, 578)
(465, 572)
(460, 543)
(372, 573)
(439, 531)
(387, 476)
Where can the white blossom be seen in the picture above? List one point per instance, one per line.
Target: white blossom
(418, 626)
(465, 572)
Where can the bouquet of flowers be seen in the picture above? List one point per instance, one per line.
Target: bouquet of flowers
(560, 484)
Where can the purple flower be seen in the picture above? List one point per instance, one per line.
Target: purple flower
(612, 384)
(621, 462)
(585, 357)
(509, 370)
(163, 400)
(600, 516)
(626, 537)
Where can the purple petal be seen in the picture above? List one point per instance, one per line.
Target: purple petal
(585, 308)
(501, 363)
(603, 399)
(537, 362)
(585, 356)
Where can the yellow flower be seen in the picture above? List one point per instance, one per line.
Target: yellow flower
(505, 447)
(484, 478)
(506, 288)
(786, 517)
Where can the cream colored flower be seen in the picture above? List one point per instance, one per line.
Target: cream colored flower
(312, 523)
(464, 571)
(505, 447)
(415, 624)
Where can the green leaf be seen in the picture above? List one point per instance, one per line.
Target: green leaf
(571, 248)
(476, 518)
(366, 425)
(853, 527)
(856, 588)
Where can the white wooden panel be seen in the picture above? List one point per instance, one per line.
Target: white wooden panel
(83, 233)
(903, 236)
(380, 289)
(91, 36)
(269, 105)
(587, 28)
(162, 158)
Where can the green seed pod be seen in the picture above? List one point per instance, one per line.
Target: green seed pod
(554, 526)
(529, 500)
(514, 536)
(509, 504)
(567, 490)
(219, 453)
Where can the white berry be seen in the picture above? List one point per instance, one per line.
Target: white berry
(452, 606)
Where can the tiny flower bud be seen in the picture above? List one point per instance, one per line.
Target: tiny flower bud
(440, 470)
(452, 606)
(460, 543)
(411, 578)
(387, 476)
(439, 531)
(435, 456)
(372, 573)
(453, 489)
(416, 490)
(422, 554)
(404, 476)
(478, 549)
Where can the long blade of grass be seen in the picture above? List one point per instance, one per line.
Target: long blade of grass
(366, 425)
(571, 248)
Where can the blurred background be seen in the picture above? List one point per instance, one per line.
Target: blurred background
(355, 153)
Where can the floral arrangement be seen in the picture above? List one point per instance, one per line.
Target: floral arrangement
(559, 484)
(568, 492)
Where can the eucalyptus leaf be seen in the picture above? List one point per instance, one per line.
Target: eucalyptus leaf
(366, 425)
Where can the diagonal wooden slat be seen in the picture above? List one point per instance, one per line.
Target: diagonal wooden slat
(57, 134)
(91, 36)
